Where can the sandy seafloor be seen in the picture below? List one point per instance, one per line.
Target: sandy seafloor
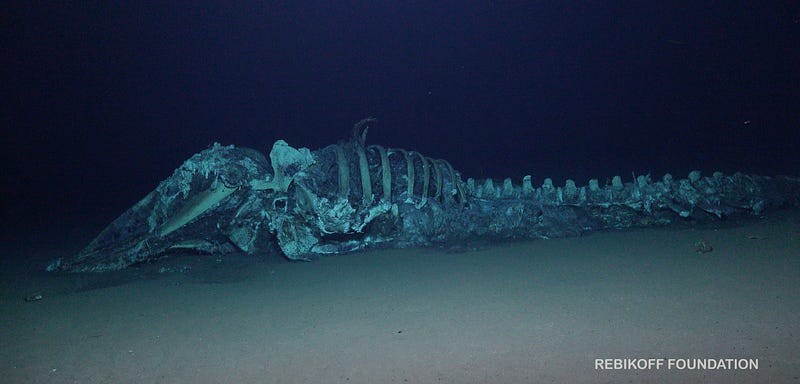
(521, 312)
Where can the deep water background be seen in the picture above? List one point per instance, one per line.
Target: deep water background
(103, 100)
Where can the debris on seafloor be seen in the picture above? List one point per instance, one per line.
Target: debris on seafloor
(702, 246)
(33, 297)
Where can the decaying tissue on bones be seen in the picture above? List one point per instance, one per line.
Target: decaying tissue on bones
(353, 195)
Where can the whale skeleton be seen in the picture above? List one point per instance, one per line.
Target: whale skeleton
(351, 196)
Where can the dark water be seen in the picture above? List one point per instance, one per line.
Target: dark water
(103, 101)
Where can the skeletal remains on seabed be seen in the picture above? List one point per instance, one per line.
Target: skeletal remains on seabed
(351, 196)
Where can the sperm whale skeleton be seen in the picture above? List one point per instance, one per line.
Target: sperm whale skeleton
(352, 196)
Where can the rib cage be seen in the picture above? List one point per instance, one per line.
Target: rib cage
(392, 175)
